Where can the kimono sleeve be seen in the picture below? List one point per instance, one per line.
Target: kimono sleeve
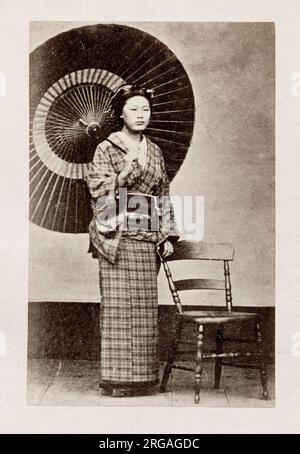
(101, 179)
(168, 229)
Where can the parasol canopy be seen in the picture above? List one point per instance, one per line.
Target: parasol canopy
(73, 77)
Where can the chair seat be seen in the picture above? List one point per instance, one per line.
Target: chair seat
(206, 317)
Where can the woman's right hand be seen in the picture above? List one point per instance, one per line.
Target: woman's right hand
(132, 155)
(130, 165)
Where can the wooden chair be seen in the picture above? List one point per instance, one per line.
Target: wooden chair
(223, 253)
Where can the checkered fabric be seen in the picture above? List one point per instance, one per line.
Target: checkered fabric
(128, 315)
(108, 162)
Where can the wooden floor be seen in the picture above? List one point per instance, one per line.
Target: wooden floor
(55, 382)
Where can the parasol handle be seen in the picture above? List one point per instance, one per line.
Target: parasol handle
(82, 122)
(172, 287)
(93, 129)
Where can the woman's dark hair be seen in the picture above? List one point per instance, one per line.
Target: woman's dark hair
(128, 91)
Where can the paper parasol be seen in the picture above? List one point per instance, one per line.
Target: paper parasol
(73, 77)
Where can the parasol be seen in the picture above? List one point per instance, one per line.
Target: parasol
(73, 77)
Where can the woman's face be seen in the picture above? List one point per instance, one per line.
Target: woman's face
(136, 113)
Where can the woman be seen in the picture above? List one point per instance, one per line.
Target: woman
(128, 262)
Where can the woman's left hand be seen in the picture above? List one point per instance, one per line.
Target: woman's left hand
(167, 249)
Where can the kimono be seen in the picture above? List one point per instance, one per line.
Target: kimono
(128, 267)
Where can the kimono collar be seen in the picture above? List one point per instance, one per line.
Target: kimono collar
(130, 143)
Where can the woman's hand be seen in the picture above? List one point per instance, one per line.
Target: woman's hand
(130, 165)
(131, 156)
(168, 248)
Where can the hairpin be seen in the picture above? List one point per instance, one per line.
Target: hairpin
(129, 87)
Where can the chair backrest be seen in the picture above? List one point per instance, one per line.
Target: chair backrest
(200, 250)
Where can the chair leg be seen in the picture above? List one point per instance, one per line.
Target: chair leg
(219, 350)
(262, 364)
(171, 356)
(199, 361)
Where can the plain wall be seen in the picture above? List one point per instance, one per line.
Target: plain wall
(231, 162)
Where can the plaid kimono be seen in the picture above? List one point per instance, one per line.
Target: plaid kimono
(108, 162)
(128, 268)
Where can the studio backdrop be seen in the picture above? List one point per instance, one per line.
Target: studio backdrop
(213, 118)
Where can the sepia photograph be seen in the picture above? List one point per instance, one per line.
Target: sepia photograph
(151, 247)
